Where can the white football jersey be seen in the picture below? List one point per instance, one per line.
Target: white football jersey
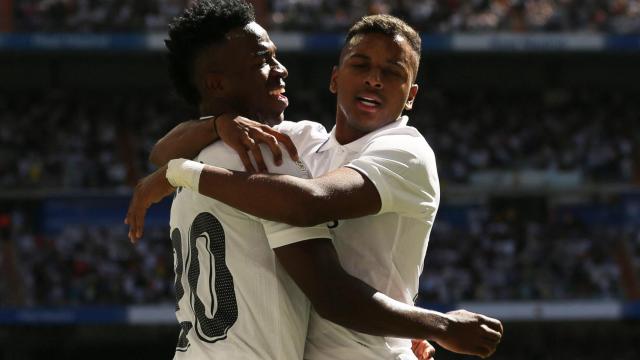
(234, 300)
(385, 250)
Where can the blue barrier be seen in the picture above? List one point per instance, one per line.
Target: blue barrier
(576, 310)
(324, 42)
(64, 316)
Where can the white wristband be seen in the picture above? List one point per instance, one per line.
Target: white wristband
(185, 173)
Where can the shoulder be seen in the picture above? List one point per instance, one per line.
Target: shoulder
(307, 136)
(303, 133)
(404, 143)
(221, 155)
(301, 127)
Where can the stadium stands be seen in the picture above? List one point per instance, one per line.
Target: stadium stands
(619, 17)
(566, 136)
(531, 107)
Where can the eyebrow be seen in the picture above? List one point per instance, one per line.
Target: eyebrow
(398, 64)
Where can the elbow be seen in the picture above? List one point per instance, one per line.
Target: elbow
(156, 157)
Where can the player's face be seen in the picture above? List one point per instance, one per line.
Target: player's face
(373, 83)
(256, 77)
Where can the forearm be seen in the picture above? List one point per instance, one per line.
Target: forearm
(348, 301)
(342, 194)
(363, 309)
(280, 198)
(184, 141)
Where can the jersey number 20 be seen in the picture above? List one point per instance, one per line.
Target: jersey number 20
(214, 303)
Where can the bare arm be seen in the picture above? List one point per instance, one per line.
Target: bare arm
(341, 194)
(348, 301)
(184, 141)
(243, 135)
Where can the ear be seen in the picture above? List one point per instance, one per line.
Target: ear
(412, 96)
(333, 86)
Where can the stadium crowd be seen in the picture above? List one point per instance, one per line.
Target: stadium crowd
(85, 265)
(62, 141)
(497, 255)
(435, 16)
(591, 136)
(77, 141)
(505, 255)
(69, 141)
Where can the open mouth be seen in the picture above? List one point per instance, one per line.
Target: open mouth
(277, 92)
(278, 95)
(368, 101)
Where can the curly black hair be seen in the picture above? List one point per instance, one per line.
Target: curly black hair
(204, 23)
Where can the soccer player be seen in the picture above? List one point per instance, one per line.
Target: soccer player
(313, 264)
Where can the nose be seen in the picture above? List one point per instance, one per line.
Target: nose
(374, 79)
(280, 70)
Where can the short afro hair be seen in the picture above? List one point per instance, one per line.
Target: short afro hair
(386, 25)
(204, 23)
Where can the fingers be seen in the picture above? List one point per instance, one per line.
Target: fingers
(265, 136)
(494, 324)
(244, 157)
(135, 220)
(129, 221)
(422, 349)
(257, 155)
(484, 351)
(491, 334)
(429, 352)
(288, 144)
(250, 145)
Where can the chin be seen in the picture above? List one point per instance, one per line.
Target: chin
(274, 120)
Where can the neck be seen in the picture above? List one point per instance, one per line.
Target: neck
(345, 134)
(212, 108)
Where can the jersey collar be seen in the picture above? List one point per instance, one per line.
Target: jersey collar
(358, 144)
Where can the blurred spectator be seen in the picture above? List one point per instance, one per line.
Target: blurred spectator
(439, 16)
(63, 141)
(590, 134)
(90, 265)
(505, 256)
(67, 141)
(497, 255)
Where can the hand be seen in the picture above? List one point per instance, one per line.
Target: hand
(148, 191)
(422, 349)
(244, 135)
(470, 333)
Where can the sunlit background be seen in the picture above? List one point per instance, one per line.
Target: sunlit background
(531, 106)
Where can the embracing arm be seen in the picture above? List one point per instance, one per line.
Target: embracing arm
(184, 141)
(241, 134)
(340, 194)
(349, 302)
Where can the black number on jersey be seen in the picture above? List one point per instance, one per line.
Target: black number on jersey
(183, 342)
(215, 307)
(176, 240)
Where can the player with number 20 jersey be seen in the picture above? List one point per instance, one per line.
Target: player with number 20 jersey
(234, 300)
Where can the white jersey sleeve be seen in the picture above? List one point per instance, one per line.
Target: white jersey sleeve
(403, 169)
